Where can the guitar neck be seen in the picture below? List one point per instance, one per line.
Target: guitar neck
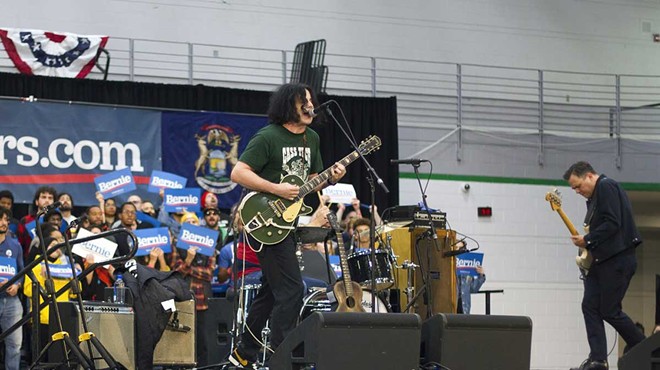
(312, 184)
(346, 275)
(567, 221)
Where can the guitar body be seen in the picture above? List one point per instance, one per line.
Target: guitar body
(348, 303)
(269, 218)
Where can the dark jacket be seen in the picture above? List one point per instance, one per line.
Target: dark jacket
(149, 289)
(612, 228)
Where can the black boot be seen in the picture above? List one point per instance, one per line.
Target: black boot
(589, 364)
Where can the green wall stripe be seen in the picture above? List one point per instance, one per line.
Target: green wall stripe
(638, 186)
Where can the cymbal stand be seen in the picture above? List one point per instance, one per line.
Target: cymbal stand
(410, 267)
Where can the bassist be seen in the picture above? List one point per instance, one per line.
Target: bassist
(286, 146)
(612, 239)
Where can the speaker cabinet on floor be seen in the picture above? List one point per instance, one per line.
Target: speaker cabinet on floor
(113, 324)
(218, 329)
(644, 356)
(178, 347)
(334, 340)
(477, 342)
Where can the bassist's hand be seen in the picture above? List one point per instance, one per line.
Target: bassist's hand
(286, 190)
(579, 241)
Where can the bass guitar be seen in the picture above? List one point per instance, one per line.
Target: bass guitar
(269, 218)
(347, 292)
(584, 258)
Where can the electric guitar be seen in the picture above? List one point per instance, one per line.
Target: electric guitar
(347, 292)
(269, 218)
(584, 259)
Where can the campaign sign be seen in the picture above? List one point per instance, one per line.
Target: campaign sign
(165, 180)
(148, 239)
(102, 249)
(340, 193)
(466, 264)
(179, 200)
(59, 271)
(115, 183)
(7, 268)
(197, 236)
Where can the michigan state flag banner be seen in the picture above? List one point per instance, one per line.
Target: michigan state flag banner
(42, 53)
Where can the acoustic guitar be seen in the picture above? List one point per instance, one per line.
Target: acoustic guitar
(584, 258)
(347, 292)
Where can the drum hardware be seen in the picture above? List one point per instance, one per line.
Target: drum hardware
(360, 268)
(265, 333)
(410, 288)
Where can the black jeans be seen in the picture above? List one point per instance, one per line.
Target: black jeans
(280, 297)
(604, 289)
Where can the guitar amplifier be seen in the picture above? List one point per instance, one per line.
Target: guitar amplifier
(113, 324)
(177, 345)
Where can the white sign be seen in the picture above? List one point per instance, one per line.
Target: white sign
(340, 193)
(102, 249)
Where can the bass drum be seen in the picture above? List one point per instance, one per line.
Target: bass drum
(319, 301)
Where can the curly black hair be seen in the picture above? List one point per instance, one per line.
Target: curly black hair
(282, 106)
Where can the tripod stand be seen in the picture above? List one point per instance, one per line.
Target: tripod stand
(69, 347)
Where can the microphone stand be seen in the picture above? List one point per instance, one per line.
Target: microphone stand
(433, 235)
(372, 179)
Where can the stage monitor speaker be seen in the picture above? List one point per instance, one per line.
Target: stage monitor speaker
(644, 356)
(177, 347)
(477, 342)
(218, 329)
(113, 324)
(348, 340)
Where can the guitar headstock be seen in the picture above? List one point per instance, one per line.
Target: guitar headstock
(332, 219)
(370, 144)
(554, 197)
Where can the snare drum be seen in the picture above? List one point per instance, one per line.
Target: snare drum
(359, 264)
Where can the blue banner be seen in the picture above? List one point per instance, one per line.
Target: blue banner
(196, 236)
(141, 216)
(68, 145)
(165, 180)
(59, 271)
(204, 148)
(115, 183)
(149, 239)
(7, 268)
(180, 200)
(466, 264)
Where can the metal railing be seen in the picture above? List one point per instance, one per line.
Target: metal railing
(431, 95)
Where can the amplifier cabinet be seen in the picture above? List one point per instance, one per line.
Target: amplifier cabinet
(177, 347)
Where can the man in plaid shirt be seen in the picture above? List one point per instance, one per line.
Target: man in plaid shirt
(197, 269)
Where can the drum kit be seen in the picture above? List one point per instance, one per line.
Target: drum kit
(360, 268)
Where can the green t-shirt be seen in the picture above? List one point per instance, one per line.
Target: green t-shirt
(275, 152)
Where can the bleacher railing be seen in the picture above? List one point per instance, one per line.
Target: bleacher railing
(431, 95)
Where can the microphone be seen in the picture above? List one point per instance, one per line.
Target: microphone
(413, 161)
(315, 112)
(461, 250)
(175, 325)
(77, 222)
(51, 207)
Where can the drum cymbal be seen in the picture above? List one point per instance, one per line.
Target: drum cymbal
(312, 234)
(386, 228)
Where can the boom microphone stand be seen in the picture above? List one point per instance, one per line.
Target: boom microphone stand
(68, 345)
(373, 178)
(429, 234)
(87, 336)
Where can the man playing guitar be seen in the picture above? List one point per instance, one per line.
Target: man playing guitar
(287, 146)
(612, 239)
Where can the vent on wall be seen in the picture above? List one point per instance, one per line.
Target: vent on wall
(646, 26)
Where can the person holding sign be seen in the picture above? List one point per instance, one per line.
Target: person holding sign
(60, 270)
(11, 311)
(44, 196)
(466, 284)
(197, 268)
(286, 146)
